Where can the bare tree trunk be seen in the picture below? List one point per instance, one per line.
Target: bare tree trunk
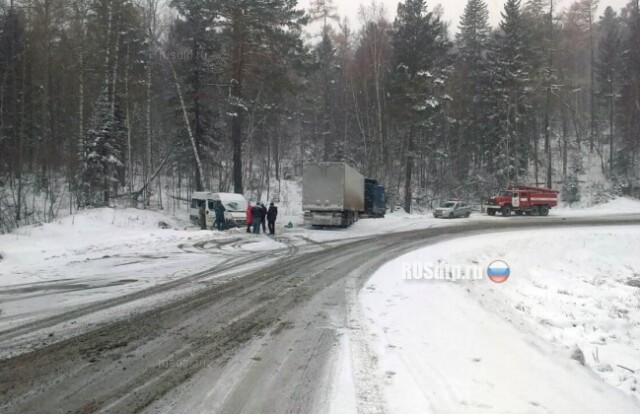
(516, 153)
(107, 56)
(107, 69)
(547, 110)
(508, 144)
(197, 118)
(612, 103)
(565, 142)
(151, 23)
(276, 148)
(536, 153)
(547, 149)
(594, 125)
(408, 173)
(81, 97)
(128, 116)
(114, 76)
(236, 94)
(188, 126)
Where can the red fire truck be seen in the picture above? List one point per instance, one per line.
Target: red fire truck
(520, 199)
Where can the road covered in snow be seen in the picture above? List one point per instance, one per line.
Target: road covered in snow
(129, 311)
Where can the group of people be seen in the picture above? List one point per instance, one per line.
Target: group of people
(259, 215)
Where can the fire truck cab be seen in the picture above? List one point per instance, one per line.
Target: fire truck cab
(521, 200)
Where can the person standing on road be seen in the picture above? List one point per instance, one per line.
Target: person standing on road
(203, 216)
(256, 215)
(272, 214)
(249, 217)
(264, 218)
(219, 209)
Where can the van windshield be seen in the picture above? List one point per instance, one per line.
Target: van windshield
(233, 202)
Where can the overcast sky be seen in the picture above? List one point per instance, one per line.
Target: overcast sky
(452, 8)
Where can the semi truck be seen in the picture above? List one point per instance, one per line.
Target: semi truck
(521, 199)
(374, 203)
(332, 194)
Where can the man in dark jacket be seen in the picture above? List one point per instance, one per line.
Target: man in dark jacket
(272, 214)
(264, 217)
(219, 209)
(202, 216)
(256, 216)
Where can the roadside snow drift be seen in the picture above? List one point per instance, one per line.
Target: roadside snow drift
(476, 346)
(104, 253)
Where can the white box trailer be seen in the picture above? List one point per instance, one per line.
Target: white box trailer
(235, 207)
(333, 194)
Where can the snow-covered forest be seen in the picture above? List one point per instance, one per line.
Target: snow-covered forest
(113, 102)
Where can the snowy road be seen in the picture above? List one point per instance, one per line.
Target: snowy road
(261, 336)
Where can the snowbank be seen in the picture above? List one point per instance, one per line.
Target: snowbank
(87, 235)
(105, 253)
(474, 346)
(618, 205)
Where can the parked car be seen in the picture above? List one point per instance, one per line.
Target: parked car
(452, 209)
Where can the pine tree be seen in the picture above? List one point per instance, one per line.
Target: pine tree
(541, 39)
(419, 63)
(326, 61)
(473, 98)
(608, 68)
(512, 72)
(630, 97)
(325, 11)
(101, 154)
(199, 45)
(249, 25)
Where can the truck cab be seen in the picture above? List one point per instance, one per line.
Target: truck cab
(374, 199)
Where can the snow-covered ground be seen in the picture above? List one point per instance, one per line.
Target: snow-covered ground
(475, 346)
(618, 205)
(103, 253)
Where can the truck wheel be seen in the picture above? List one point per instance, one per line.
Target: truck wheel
(534, 211)
(506, 211)
(544, 211)
(450, 216)
(491, 212)
(467, 215)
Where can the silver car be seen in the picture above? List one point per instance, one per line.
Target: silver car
(453, 209)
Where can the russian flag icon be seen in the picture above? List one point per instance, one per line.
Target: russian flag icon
(498, 271)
